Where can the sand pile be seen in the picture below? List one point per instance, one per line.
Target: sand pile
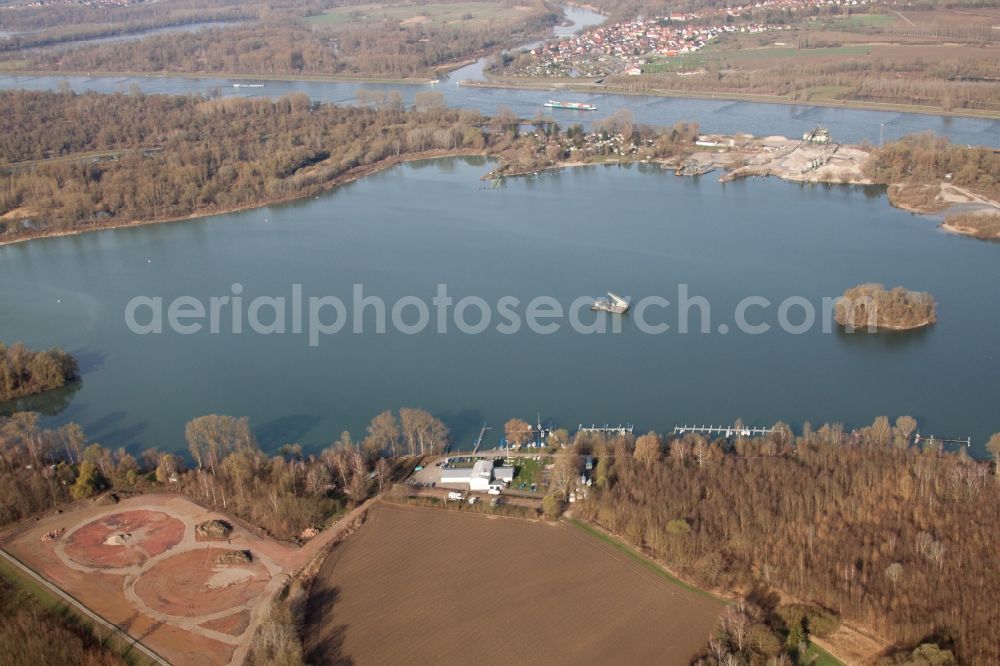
(117, 539)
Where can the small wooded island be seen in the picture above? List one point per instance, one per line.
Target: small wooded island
(872, 307)
(25, 372)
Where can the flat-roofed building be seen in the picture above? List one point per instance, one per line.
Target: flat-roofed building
(482, 474)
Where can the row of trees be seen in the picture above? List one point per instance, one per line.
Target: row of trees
(25, 372)
(901, 539)
(282, 493)
(288, 492)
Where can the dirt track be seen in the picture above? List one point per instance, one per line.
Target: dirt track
(421, 585)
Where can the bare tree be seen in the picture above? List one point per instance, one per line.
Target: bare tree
(384, 433)
(565, 472)
(212, 437)
(648, 448)
(517, 432)
(893, 573)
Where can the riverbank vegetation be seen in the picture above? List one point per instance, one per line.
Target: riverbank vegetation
(984, 225)
(897, 538)
(283, 44)
(83, 161)
(917, 164)
(873, 307)
(25, 372)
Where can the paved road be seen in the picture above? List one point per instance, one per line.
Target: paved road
(83, 610)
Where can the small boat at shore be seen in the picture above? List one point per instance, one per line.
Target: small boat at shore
(248, 85)
(614, 304)
(574, 106)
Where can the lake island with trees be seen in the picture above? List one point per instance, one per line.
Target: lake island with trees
(873, 307)
(25, 372)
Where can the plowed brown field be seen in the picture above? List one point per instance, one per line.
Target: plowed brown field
(417, 586)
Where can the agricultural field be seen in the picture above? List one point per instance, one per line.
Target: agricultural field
(451, 587)
(141, 565)
(471, 14)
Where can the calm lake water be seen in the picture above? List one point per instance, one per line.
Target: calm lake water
(638, 231)
(579, 232)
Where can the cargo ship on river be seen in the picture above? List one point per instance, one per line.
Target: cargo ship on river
(575, 106)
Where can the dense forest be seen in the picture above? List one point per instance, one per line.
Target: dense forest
(78, 161)
(26, 372)
(167, 157)
(898, 538)
(873, 307)
(281, 45)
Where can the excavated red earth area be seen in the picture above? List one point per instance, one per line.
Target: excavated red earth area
(149, 534)
(194, 583)
(234, 624)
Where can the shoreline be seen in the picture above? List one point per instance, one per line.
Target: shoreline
(952, 198)
(554, 85)
(318, 78)
(857, 105)
(347, 177)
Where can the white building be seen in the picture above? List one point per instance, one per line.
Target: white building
(482, 474)
(477, 477)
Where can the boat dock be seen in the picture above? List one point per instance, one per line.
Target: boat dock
(727, 431)
(479, 440)
(620, 429)
(695, 168)
(931, 439)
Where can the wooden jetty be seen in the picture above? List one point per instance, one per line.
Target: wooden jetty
(479, 440)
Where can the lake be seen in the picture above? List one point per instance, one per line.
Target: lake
(579, 232)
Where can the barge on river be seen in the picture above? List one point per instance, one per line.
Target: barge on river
(575, 106)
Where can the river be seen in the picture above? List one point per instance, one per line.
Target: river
(719, 116)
